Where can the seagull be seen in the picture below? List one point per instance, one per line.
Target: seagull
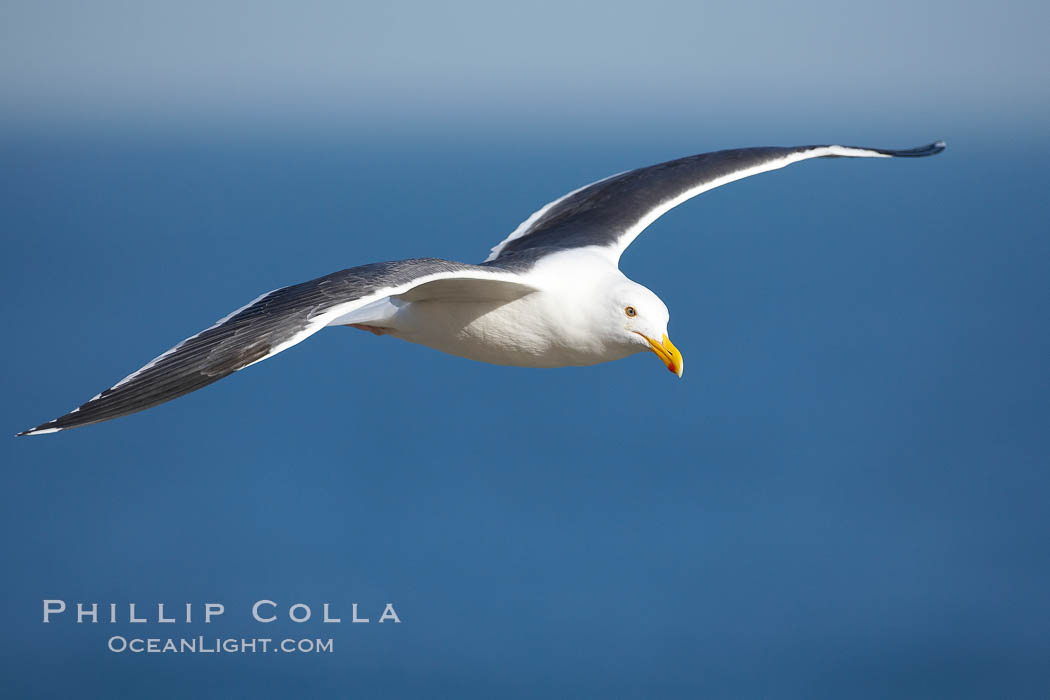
(551, 294)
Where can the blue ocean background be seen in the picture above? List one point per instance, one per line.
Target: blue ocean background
(845, 496)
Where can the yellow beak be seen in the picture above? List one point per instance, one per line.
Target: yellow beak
(667, 352)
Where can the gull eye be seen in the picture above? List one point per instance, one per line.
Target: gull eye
(630, 311)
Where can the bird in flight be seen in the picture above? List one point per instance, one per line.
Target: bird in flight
(549, 295)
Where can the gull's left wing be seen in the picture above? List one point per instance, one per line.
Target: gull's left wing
(609, 214)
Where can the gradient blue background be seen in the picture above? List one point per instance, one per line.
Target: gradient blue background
(846, 495)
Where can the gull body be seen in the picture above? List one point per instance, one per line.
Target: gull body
(575, 317)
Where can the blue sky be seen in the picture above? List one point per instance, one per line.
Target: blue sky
(564, 65)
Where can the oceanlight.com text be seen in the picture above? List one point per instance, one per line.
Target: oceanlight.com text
(218, 645)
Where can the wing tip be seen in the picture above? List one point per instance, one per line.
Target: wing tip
(930, 149)
(42, 429)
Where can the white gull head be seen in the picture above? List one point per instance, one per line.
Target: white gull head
(625, 318)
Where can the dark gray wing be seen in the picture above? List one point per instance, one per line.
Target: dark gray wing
(610, 213)
(266, 326)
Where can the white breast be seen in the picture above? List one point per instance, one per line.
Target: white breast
(538, 330)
